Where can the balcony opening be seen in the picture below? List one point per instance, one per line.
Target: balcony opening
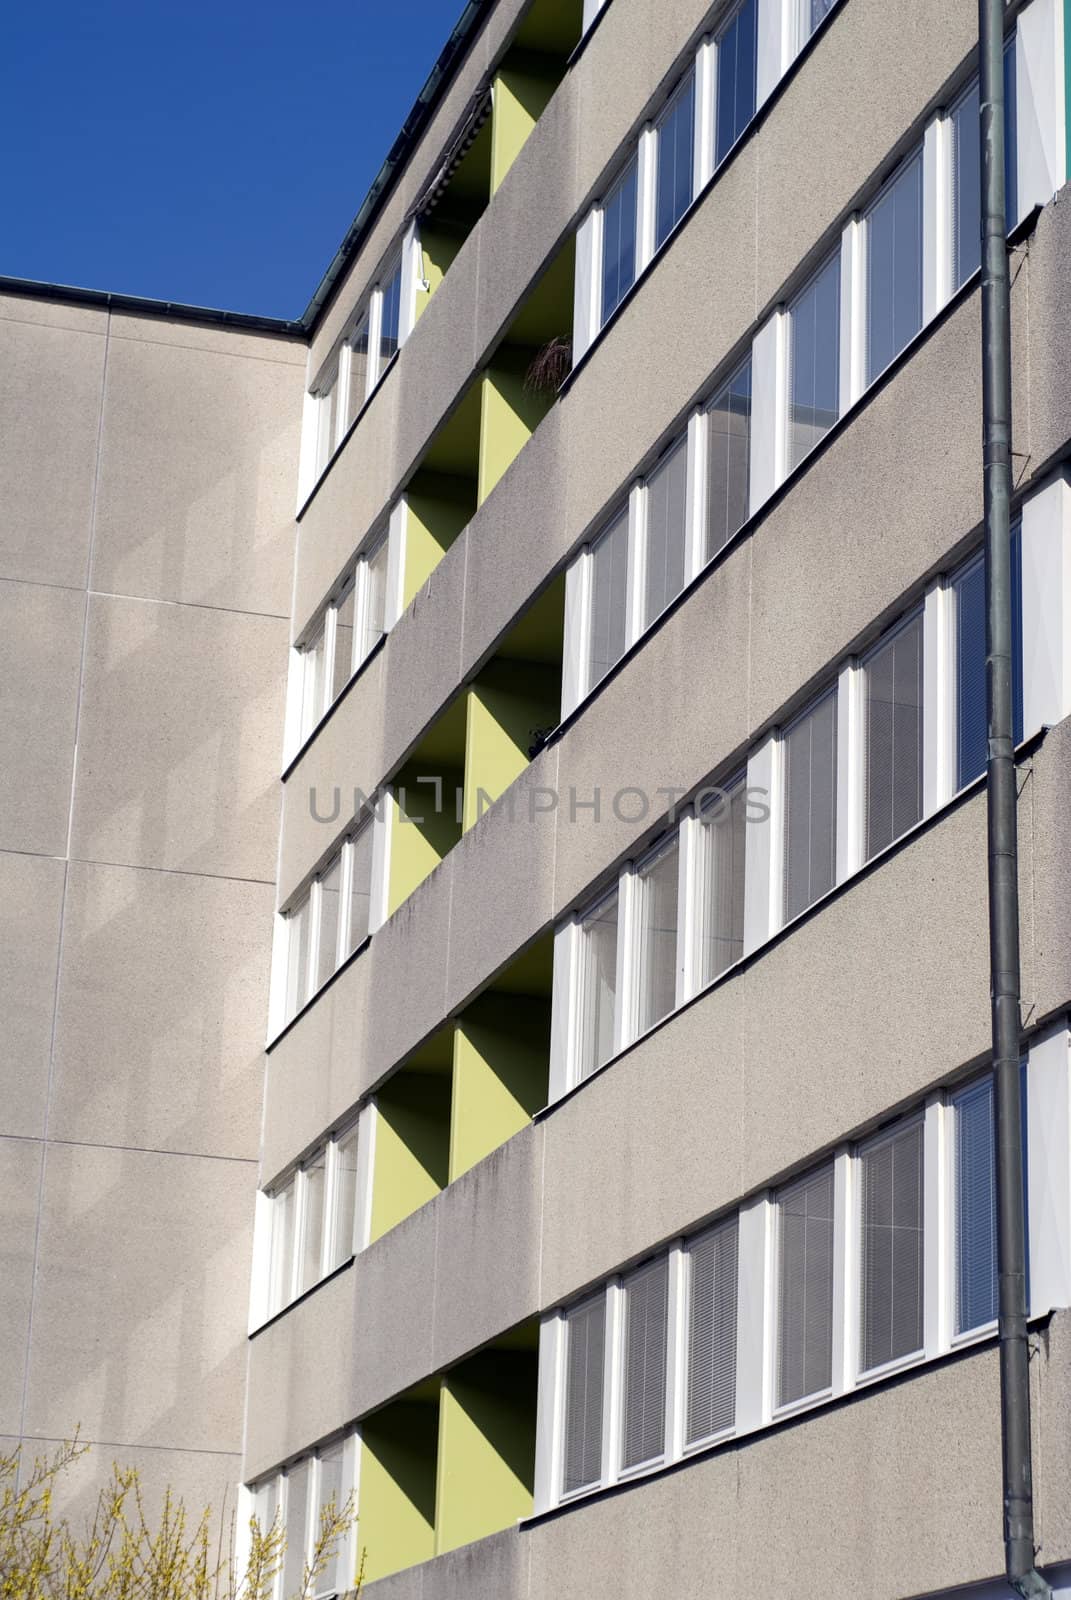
(521, 383)
(441, 495)
(399, 1452)
(527, 77)
(412, 1141)
(514, 703)
(457, 198)
(425, 821)
(487, 1427)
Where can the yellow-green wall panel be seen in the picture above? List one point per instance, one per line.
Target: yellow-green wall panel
(506, 704)
(396, 1527)
(412, 1145)
(501, 1066)
(521, 93)
(486, 1448)
(439, 506)
(510, 412)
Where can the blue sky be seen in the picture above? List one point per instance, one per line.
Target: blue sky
(213, 153)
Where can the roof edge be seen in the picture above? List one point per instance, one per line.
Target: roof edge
(175, 311)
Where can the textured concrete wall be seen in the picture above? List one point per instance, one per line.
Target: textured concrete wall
(146, 536)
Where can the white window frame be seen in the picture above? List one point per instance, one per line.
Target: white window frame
(856, 1373)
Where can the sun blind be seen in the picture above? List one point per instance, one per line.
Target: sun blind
(811, 805)
(657, 880)
(894, 737)
(805, 1287)
(712, 1332)
(585, 1357)
(643, 1423)
(667, 532)
(722, 901)
(976, 1207)
(609, 599)
(891, 1228)
(297, 1527)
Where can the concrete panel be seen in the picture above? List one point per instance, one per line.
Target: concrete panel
(393, 1336)
(856, 530)
(1043, 800)
(162, 997)
(199, 449)
(1050, 312)
(49, 420)
(877, 69)
(202, 1480)
(503, 878)
(704, 647)
(675, 1101)
(408, 975)
(487, 1266)
(179, 739)
(407, 1585)
(40, 654)
(141, 1300)
(44, 313)
(20, 1173)
(422, 659)
(314, 1072)
(495, 1568)
(210, 338)
(31, 892)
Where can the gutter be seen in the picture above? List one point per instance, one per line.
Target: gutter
(1002, 827)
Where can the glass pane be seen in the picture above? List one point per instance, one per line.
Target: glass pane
(814, 361)
(667, 532)
(389, 323)
(375, 578)
(966, 187)
(342, 666)
(894, 737)
(358, 367)
(297, 958)
(609, 599)
(342, 1235)
(643, 1431)
(728, 460)
(676, 149)
(312, 1232)
(312, 685)
(282, 1247)
(976, 1208)
(619, 240)
(891, 1228)
(326, 423)
(297, 1525)
(331, 1579)
(361, 887)
(712, 1276)
(330, 889)
(972, 739)
(721, 908)
(657, 960)
(1011, 133)
(737, 64)
(810, 749)
(266, 1504)
(813, 12)
(805, 1287)
(585, 1356)
(894, 268)
(598, 979)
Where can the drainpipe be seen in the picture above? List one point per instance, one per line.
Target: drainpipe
(1019, 1544)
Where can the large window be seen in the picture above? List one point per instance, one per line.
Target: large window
(312, 1220)
(609, 599)
(728, 459)
(361, 376)
(814, 361)
(810, 756)
(720, 900)
(597, 985)
(296, 1501)
(350, 626)
(390, 314)
(894, 267)
(737, 64)
(329, 922)
(805, 1287)
(667, 532)
(975, 1184)
(891, 1246)
(619, 236)
(643, 1420)
(712, 1272)
(676, 160)
(966, 171)
(585, 1357)
(656, 890)
(893, 674)
(968, 587)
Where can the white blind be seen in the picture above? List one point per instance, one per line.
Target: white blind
(891, 1243)
(658, 935)
(609, 599)
(811, 805)
(728, 459)
(667, 532)
(643, 1423)
(585, 1357)
(598, 986)
(722, 901)
(361, 886)
(894, 736)
(976, 1207)
(805, 1286)
(712, 1332)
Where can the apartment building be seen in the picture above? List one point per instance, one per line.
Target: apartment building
(493, 823)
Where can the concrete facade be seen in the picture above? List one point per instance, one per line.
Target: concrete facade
(194, 1274)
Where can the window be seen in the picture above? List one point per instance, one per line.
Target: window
(814, 361)
(360, 367)
(891, 1247)
(712, 1268)
(656, 886)
(609, 599)
(297, 1527)
(375, 594)
(676, 158)
(280, 1288)
(266, 1503)
(810, 753)
(343, 1222)
(967, 176)
(972, 737)
(327, 420)
(298, 986)
(619, 218)
(643, 1419)
(721, 894)
(360, 887)
(737, 65)
(312, 1227)
(813, 13)
(314, 679)
(975, 1177)
(598, 985)
(585, 1356)
(352, 624)
(296, 1500)
(894, 267)
(728, 459)
(390, 317)
(327, 925)
(334, 1578)
(893, 675)
(805, 1287)
(342, 655)
(313, 1220)
(330, 890)
(667, 532)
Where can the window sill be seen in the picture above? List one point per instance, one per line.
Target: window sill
(299, 1299)
(311, 737)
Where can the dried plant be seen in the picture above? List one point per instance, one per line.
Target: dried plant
(550, 367)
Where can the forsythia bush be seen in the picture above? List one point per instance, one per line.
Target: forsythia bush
(122, 1555)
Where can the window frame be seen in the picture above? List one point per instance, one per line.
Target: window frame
(916, 614)
(916, 155)
(630, 161)
(294, 1182)
(884, 1136)
(356, 579)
